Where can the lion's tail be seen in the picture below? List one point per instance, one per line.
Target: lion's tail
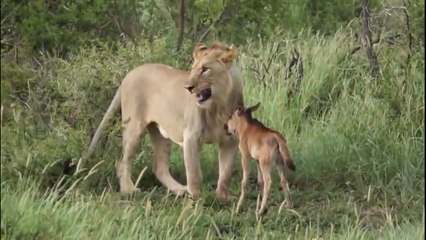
(112, 109)
(282, 145)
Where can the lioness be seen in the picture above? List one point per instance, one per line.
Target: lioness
(264, 144)
(188, 108)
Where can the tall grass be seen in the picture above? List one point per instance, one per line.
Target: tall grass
(357, 142)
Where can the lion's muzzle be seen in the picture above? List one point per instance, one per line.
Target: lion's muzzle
(203, 95)
(227, 132)
(189, 88)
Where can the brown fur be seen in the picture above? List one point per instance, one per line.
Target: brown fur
(153, 99)
(264, 144)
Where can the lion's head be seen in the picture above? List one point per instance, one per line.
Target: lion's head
(213, 75)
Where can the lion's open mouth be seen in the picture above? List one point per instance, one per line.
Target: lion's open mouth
(204, 95)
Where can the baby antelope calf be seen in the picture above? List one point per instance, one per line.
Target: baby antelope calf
(264, 144)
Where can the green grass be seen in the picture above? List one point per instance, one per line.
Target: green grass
(357, 142)
(28, 213)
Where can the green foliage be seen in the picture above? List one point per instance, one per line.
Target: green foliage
(417, 15)
(238, 20)
(357, 143)
(60, 26)
(64, 26)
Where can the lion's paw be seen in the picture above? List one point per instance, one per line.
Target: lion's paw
(129, 191)
(223, 195)
(179, 191)
(194, 194)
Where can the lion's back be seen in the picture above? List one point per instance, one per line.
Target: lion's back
(153, 77)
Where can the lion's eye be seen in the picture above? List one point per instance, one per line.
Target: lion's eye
(204, 69)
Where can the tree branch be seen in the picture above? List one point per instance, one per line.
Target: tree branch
(377, 40)
(120, 27)
(220, 19)
(294, 59)
(410, 37)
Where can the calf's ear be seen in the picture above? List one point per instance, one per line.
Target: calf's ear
(240, 111)
(253, 108)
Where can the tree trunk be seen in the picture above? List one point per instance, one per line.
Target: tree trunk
(366, 38)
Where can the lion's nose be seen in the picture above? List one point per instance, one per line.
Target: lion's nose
(189, 88)
(225, 126)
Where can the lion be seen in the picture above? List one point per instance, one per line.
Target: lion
(187, 108)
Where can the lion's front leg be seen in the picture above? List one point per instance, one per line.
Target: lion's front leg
(227, 152)
(191, 155)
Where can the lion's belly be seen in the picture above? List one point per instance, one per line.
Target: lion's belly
(175, 138)
(165, 107)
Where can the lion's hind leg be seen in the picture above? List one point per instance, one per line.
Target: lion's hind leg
(132, 134)
(160, 164)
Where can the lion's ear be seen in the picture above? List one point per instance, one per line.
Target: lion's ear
(199, 48)
(229, 54)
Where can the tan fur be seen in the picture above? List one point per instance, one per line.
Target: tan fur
(264, 144)
(153, 99)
